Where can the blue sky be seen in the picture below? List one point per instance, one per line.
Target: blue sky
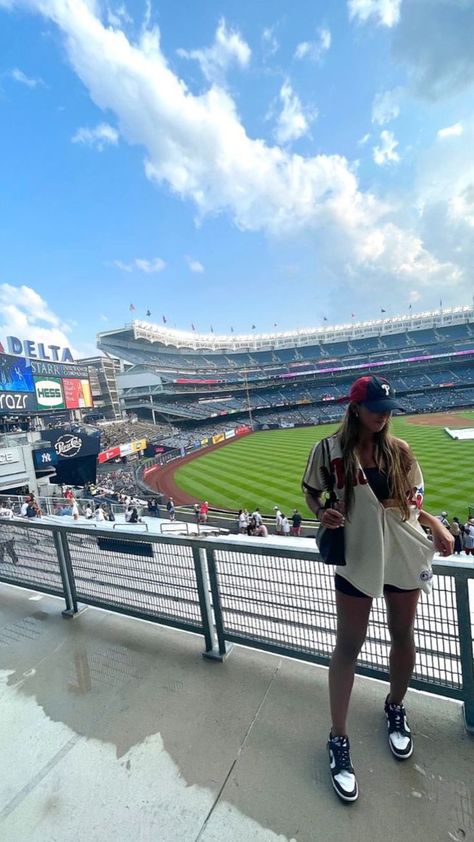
(232, 163)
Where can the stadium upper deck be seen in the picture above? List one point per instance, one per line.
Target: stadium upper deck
(186, 377)
(165, 349)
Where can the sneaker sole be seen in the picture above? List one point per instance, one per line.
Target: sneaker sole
(338, 792)
(400, 756)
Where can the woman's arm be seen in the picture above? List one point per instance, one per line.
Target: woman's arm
(331, 518)
(314, 501)
(442, 539)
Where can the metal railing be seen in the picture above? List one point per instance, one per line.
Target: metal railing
(274, 598)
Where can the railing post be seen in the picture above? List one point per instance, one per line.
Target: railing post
(465, 649)
(223, 648)
(203, 587)
(68, 585)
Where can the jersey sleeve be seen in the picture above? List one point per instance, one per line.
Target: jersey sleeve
(416, 486)
(313, 479)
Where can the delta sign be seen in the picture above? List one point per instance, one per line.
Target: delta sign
(36, 350)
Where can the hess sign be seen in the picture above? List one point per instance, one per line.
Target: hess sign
(49, 393)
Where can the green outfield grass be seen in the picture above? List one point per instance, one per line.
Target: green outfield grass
(265, 469)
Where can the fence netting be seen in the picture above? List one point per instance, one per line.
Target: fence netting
(290, 603)
(28, 557)
(154, 579)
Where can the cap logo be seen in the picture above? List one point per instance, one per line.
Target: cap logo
(386, 388)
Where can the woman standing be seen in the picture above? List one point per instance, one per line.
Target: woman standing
(379, 487)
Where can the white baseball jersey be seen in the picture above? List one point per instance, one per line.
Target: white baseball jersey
(380, 547)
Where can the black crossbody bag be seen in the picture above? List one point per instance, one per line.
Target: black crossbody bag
(331, 543)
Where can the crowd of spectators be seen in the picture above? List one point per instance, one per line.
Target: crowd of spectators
(114, 433)
(186, 438)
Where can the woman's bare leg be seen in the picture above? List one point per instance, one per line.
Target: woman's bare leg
(352, 619)
(401, 610)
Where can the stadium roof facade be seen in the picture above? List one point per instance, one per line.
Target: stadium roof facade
(192, 341)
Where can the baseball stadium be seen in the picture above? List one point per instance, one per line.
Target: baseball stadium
(288, 390)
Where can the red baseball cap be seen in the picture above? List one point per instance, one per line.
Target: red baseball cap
(375, 393)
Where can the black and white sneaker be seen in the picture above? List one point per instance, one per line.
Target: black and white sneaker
(342, 770)
(399, 734)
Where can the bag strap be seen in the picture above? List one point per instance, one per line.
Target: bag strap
(333, 498)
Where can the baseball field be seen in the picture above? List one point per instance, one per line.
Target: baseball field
(265, 469)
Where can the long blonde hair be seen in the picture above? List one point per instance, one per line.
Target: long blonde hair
(391, 459)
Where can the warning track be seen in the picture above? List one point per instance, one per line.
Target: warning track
(161, 478)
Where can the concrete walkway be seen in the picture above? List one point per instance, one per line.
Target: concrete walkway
(113, 728)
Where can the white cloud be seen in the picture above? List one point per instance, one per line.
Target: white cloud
(119, 16)
(451, 131)
(386, 153)
(149, 267)
(194, 265)
(385, 12)
(270, 42)
(198, 147)
(18, 76)
(25, 314)
(414, 296)
(315, 50)
(386, 106)
(435, 41)
(293, 122)
(101, 136)
(228, 48)
(363, 140)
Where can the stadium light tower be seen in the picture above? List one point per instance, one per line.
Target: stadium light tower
(248, 399)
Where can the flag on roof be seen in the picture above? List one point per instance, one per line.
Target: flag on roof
(275, 324)
(254, 327)
(132, 307)
(231, 329)
(353, 315)
(409, 306)
(382, 310)
(324, 319)
(164, 320)
(192, 326)
(212, 329)
(148, 313)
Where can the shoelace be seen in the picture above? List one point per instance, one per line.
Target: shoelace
(342, 753)
(396, 714)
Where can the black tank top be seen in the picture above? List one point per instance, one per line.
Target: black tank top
(378, 483)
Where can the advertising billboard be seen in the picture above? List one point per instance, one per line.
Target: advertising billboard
(29, 386)
(45, 458)
(71, 445)
(11, 403)
(49, 393)
(77, 393)
(15, 374)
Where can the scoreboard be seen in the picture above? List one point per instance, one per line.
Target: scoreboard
(29, 386)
